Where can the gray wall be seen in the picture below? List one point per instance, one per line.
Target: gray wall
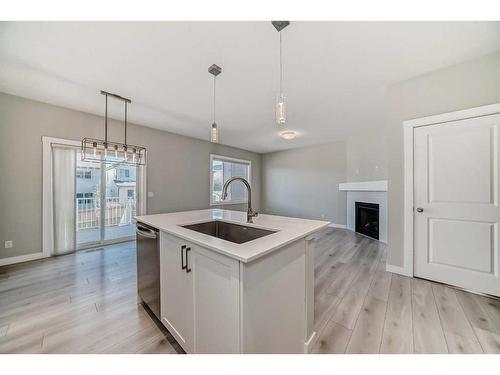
(304, 182)
(178, 167)
(366, 156)
(463, 86)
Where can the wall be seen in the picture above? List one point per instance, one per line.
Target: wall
(462, 86)
(366, 156)
(178, 166)
(304, 182)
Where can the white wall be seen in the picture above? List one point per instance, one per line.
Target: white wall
(366, 156)
(462, 86)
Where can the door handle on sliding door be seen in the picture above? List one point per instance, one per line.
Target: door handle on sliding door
(183, 266)
(187, 260)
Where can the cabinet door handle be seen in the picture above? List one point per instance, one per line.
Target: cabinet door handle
(188, 249)
(183, 266)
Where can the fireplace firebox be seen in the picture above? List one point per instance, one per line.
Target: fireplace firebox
(367, 219)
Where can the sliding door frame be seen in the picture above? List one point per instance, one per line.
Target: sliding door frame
(48, 203)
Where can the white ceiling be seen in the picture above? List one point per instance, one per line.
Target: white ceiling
(335, 72)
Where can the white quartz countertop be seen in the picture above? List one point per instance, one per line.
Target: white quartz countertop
(288, 230)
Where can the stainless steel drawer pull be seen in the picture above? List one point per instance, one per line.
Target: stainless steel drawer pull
(187, 261)
(183, 266)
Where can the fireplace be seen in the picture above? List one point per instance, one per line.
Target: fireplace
(367, 219)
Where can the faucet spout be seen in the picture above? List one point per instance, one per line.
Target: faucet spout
(250, 211)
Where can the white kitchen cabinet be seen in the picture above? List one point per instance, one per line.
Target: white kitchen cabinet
(225, 306)
(216, 306)
(200, 297)
(176, 288)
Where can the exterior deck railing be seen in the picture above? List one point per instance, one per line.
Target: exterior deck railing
(88, 212)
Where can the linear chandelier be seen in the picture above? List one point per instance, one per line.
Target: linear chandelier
(109, 152)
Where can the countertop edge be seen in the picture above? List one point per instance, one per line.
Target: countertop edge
(232, 254)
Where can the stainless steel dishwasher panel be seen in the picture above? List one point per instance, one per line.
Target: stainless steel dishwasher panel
(148, 267)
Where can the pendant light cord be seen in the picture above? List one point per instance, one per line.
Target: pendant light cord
(106, 121)
(281, 67)
(125, 123)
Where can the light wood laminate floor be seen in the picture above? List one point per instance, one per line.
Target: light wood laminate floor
(361, 308)
(87, 303)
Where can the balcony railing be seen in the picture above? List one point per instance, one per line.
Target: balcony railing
(88, 212)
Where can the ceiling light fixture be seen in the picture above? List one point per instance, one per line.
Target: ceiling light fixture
(281, 101)
(96, 150)
(288, 135)
(215, 70)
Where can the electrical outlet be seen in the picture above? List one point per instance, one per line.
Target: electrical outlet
(322, 216)
(8, 244)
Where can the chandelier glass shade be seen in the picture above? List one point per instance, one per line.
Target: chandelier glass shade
(109, 152)
(97, 150)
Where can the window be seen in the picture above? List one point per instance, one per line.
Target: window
(85, 173)
(223, 168)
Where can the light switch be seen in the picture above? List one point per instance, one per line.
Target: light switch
(151, 194)
(8, 244)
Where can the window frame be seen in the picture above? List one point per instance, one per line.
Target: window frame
(229, 159)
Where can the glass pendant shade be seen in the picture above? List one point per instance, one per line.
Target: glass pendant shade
(214, 136)
(281, 110)
(97, 150)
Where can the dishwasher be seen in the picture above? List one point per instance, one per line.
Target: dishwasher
(148, 267)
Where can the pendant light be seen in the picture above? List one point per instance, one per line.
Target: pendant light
(98, 150)
(215, 70)
(281, 100)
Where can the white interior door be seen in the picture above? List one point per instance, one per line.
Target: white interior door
(456, 210)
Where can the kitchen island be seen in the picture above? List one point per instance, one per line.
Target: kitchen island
(228, 286)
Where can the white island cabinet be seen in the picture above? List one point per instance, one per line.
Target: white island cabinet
(222, 297)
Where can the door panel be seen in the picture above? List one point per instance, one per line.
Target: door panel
(460, 165)
(216, 288)
(451, 241)
(120, 202)
(88, 203)
(456, 184)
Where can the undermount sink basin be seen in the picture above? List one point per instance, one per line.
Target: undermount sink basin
(228, 231)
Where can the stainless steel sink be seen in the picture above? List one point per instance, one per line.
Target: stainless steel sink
(228, 231)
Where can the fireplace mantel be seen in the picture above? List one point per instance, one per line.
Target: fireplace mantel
(364, 186)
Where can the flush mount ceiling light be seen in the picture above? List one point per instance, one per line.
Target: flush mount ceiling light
(215, 70)
(98, 150)
(288, 135)
(281, 101)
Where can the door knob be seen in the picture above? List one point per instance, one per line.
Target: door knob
(420, 209)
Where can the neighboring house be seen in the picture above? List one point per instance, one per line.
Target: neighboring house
(120, 183)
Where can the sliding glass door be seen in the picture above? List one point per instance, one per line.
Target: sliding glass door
(120, 202)
(105, 203)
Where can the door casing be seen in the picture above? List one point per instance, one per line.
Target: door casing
(409, 126)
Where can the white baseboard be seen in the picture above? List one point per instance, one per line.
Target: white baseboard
(341, 226)
(20, 259)
(397, 269)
